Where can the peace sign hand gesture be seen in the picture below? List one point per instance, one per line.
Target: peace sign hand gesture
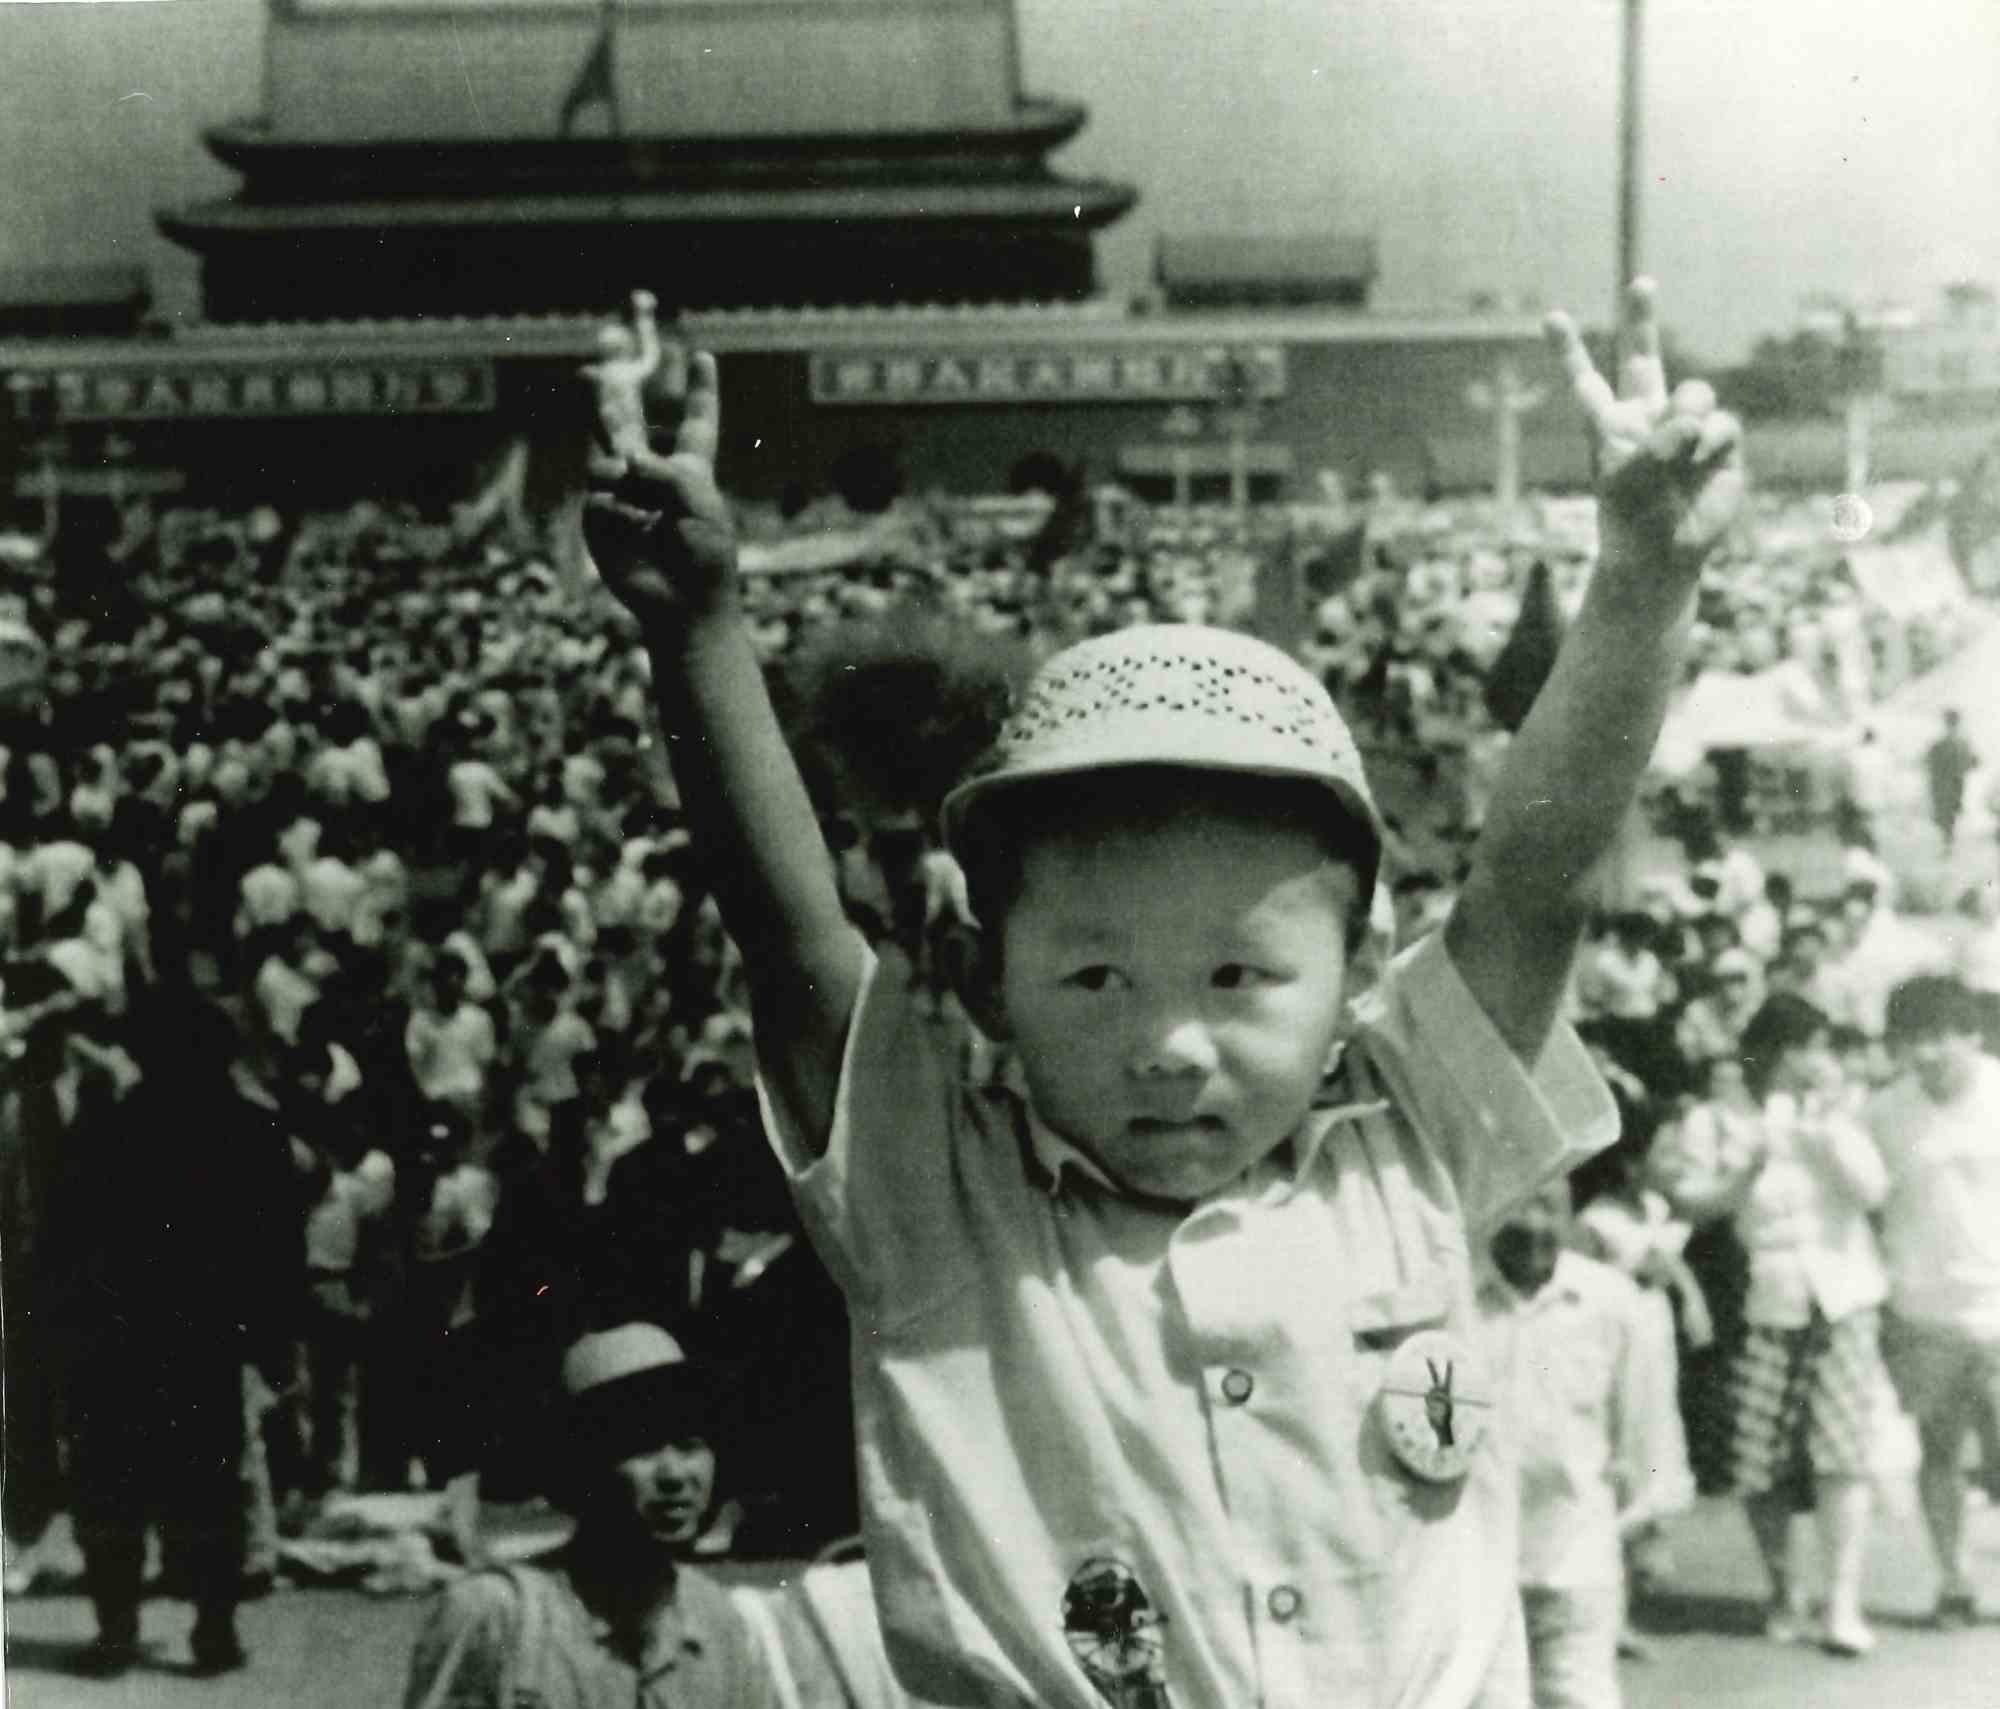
(1670, 467)
(658, 528)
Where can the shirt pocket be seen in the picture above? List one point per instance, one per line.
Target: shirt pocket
(1382, 1322)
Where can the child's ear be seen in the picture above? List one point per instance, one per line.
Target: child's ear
(1373, 947)
(971, 960)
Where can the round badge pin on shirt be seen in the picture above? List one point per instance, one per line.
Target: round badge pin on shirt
(1852, 518)
(1435, 1405)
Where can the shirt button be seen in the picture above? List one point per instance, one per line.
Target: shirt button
(1284, 1602)
(1236, 1386)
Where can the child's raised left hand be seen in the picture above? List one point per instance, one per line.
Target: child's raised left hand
(1669, 466)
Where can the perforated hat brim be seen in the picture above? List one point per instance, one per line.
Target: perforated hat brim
(1179, 696)
(979, 794)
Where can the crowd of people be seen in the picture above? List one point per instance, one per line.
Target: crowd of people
(350, 833)
(372, 1033)
(1761, 1043)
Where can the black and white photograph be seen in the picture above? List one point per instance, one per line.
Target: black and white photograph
(1027, 854)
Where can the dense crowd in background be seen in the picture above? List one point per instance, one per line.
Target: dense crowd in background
(383, 802)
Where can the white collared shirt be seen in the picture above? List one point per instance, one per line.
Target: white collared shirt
(1804, 1220)
(1057, 1386)
(1941, 1224)
(1589, 1410)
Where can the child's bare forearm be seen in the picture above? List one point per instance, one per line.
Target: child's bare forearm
(1670, 485)
(1573, 771)
(663, 538)
(744, 798)
(1563, 794)
(762, 848)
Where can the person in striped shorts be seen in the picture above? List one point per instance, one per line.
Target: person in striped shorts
(1806, 1387)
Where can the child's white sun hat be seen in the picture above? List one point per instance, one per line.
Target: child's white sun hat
(1171, 694)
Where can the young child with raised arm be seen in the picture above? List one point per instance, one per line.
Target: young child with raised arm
(1165, 1353)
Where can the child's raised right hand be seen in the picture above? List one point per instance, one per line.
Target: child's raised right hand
(1669, 464)
(658, 528)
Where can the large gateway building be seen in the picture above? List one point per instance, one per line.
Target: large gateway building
(849, 200)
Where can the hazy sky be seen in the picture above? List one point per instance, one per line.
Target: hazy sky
(1792, 145)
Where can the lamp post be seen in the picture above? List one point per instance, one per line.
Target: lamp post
(1182, 427)
(1507, 399)
(1860, 367)
(48, 452)
(1236, 394)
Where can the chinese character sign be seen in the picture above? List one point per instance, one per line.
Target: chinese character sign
(1120, 373)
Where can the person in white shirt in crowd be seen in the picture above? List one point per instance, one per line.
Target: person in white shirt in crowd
(477, 792)
(1670, 902)
(1711, 1025)
(660, 907)
(481, 986)
(449, 1040)
(1627, 1223)
(556, 1037)
(349, 770)
(291, 976)
(342, 1242)
(554, 818)
(1760, 927)
(1937, 1126)
(277, 750)
(46, 779)
(81, 943)
(420, 701)
(1620, 976)
(55, 870)
(1806, 969)
(1630, 1225)
(1589, 1407)
(298, 843)
(121, 889)
(616, 1122)
(1975, 945)
(1808, 1382)
(507, 892)
(10, 923)
(233, 780)
(268, 895)
(1623, 992)
(1864, 866)
(331, 888)
(583, 777)
(385, 894)
(1880, 951)
(577, 920)
(104, 931)
(1739, 879)
(615, 982)
(421, 1394)
(95, 795)
(357, 679)
(615, 902)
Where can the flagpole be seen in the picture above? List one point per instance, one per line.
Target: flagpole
(1631, 130)
(617, 113)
